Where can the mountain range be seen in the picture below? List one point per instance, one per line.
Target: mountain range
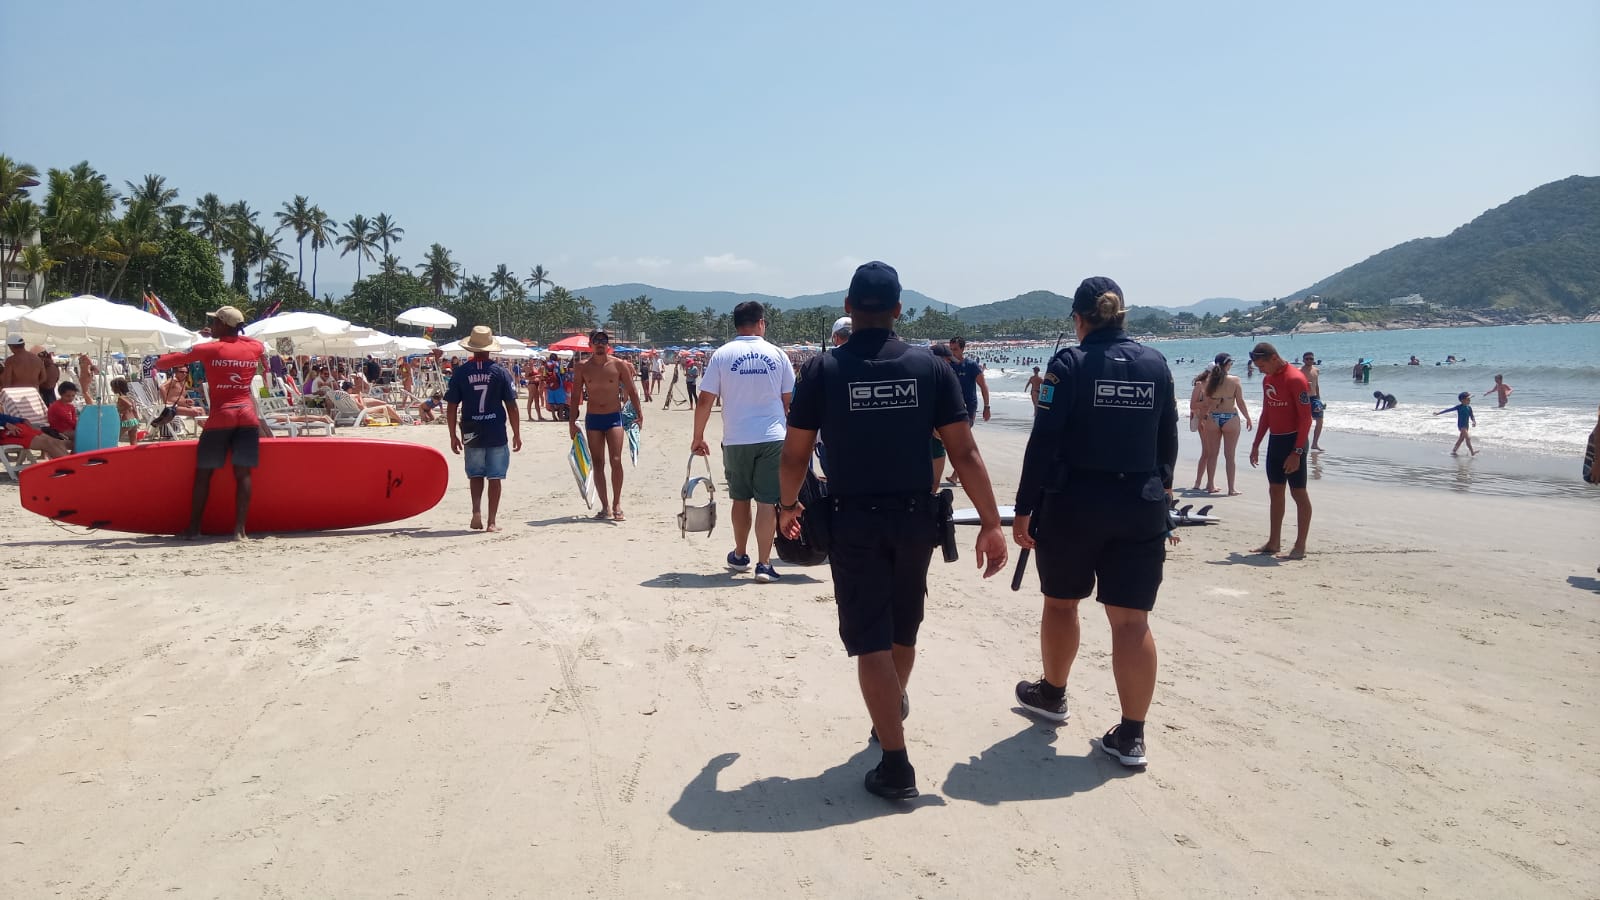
(1539, 252)
(603, 295)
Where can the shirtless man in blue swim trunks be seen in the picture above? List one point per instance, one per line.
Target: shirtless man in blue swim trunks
(602, 379)
(1308, 367)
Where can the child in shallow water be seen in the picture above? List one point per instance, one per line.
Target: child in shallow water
(1464, 420)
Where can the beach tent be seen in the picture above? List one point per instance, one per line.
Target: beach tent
(426, 317)
(578, 342)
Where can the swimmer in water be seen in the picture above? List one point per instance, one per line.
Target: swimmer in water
(1385, 401)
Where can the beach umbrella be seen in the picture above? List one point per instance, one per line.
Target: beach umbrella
(578, 342)
(426, 317)
(411, 345)
(88, 324)
(9, 311)
(297, 325)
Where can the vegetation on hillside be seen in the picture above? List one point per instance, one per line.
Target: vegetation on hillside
(1539, 252)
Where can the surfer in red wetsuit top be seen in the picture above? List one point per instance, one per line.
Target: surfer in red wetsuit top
(231, 361)
(1286, 415)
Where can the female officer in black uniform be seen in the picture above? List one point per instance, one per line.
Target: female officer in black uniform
(876, 399)
(1093, 499)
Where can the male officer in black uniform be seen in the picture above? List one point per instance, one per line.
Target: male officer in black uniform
(1097, 474)
(876, 399)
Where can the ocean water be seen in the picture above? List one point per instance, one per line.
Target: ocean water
(1554, 371)
(1531, 446)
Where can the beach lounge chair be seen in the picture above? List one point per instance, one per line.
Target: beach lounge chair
(278, 415)
(14, 459)
(345, 410)
(25, 403)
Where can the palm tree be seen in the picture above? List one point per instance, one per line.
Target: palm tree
(18, 223)
(537, 279)
(36, 261)
(322, 232)
(386, 232)
(264, 250)
(154, 191)
(438, 269)
(391, 265)
(209, 220)
(502, 280)
(15, 179)
(358, 239)
(296, 217)
(241, 225)
(135, 235)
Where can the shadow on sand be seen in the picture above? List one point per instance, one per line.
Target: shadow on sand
(1259, 560)
(1027, 766)
(1584, 583)
(717, 579)
(834, 797)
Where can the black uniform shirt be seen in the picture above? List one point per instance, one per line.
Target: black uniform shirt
(876, 410)
(1105, 407)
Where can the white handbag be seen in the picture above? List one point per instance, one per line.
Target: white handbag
(698, 518)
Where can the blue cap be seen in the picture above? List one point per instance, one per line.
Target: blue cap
(1088, 293)
(874, 288)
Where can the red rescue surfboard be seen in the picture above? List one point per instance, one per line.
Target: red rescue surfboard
(302, 484)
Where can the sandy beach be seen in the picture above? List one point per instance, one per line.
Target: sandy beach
(578, 708)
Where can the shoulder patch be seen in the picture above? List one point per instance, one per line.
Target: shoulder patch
(1052, 378)
(1305, 398)
(1047, 392)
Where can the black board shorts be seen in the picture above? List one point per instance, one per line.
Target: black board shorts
(1096, 534)
(879, 560)
(1279, 448)
(217, 444)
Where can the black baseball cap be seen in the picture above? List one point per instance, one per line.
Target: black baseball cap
(1088, 293)
(1222, 359)
(874, 288)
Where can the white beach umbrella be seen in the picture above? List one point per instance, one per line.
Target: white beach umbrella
(88, 324)
(297, 325)
(426, 317)
(9, 311)
(410, 345)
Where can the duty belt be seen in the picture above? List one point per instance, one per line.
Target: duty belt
(885, 503)
(1096, 475)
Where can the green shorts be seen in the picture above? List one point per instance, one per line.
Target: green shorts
(936, 448)
(752, 471)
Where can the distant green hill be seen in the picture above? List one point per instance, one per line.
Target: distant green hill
(603, 295)
(1540, 252)
(1032, 305)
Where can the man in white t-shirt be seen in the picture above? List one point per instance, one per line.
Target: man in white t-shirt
(754, 381)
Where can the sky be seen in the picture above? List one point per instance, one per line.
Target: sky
(1225, 149)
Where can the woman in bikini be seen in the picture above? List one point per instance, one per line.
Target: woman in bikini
(1226, 401)
(1210, 439)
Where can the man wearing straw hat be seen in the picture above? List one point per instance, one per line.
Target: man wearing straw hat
(487, 397)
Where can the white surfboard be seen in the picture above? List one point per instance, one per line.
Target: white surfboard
(969, 516)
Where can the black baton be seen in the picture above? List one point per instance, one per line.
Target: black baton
(1022, 567)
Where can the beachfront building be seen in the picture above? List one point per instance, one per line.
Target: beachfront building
(20, 287)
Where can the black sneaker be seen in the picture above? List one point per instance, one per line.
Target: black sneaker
(903, 787)
(905, 713)
(1128, 751)
(1030, 695)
